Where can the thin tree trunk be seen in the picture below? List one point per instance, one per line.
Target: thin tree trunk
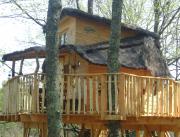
(156, 20)
(52, 69)
(113, 54)
(77, 4)
(90, 6)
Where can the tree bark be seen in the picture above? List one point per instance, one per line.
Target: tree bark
(52, 68)
(90, 6)
(113, 54)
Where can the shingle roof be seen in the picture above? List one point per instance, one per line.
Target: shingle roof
(135, 52)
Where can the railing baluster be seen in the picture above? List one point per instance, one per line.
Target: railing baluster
(122, 96)
(157, 92)
(139, 96)
(116, 93)
(44, 94)
(171, 94)
(128, 94)
(91, 94)
(136, 97)
(147, 96)
(175, 99)
(74, 90)
(85, 95)
(162, 97)
(143, 88)
(109, 94)
(152, 92)
(131, 96)
(103, 96)
(97, 94)
(68, 94)
(79, 95)
(167, 97)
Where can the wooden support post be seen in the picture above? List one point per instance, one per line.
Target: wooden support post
(13, 68)
(81, 131)
(26, 132)
(146, 133)
(37, 65)
(43, 130)
(177, 134)
(161, 134)
(137, 133)
(21, 67)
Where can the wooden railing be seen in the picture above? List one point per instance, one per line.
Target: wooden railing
(91, 94)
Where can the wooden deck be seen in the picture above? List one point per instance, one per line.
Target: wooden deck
(140, 102)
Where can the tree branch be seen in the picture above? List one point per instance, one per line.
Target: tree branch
(7, 66)
(170, 21)
(27, 14)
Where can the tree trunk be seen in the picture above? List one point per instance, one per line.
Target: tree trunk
(52, 69)
(156, 20)
(90, 6)
(156, 16)
(113, 54)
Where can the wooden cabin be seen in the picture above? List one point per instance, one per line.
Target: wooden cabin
(145, 98)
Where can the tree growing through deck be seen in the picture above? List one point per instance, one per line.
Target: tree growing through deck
(113, 54)
(52, 69)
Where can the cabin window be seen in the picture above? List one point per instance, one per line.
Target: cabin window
(63, 39)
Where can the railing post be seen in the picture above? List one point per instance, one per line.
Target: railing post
(175, 99)
(103, 96)
(122, 96)
(34, 95)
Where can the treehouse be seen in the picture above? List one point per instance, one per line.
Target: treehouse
(146, 99)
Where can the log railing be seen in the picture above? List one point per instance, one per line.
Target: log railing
(91, 94)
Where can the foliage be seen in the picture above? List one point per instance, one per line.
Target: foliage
(11, 130)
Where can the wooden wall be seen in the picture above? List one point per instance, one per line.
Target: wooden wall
(68, 25)
(81, 31)
(74, 63)
(103, 69)
(90, 32)
(73, 59)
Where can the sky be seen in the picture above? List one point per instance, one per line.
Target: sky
(14, 36)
